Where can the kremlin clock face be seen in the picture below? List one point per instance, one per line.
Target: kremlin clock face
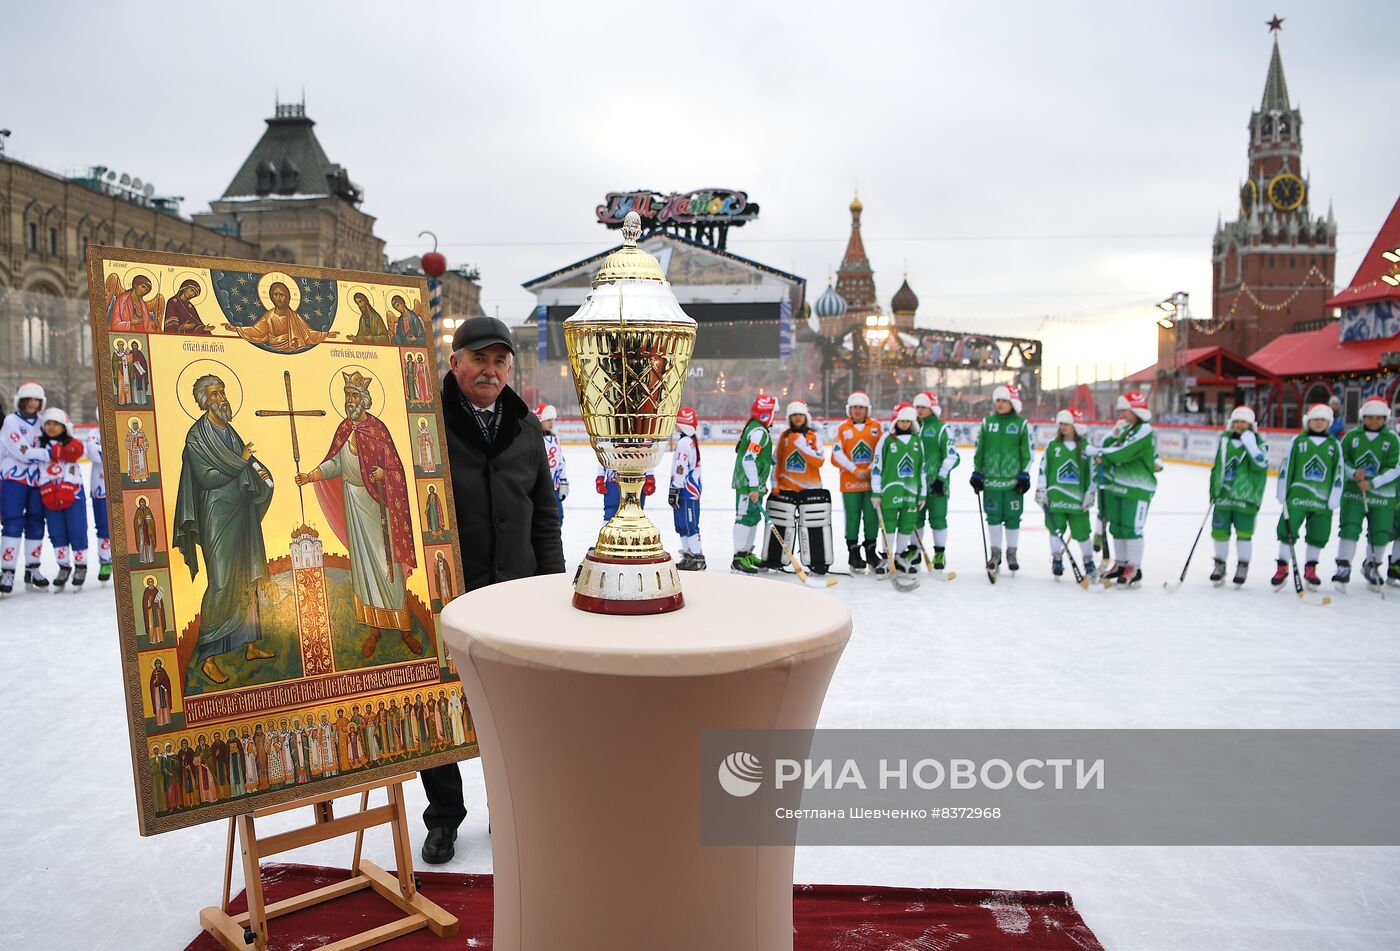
(1249, 194)
(1286, 191)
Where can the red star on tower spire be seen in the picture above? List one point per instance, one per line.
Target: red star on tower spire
(1276, 24)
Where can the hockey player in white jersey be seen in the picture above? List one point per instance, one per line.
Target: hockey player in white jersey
(21, 505)
(554, 452)
(684, 494)
(97, 492)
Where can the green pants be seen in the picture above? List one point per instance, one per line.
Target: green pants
(1222, 520)
(1003, 507)
(1077, 520)
(1316, 526)
(935, 512)
(1379, 519)
(1125, 515)
(748, 513)
(900, 509)
(860, 505)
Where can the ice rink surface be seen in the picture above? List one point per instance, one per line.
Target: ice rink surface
(1029, 652)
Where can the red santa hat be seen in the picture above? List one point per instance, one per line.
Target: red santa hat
(899, 406)
(1375, 406)
(546, 412)
(686, 420)
(763, 408)
(1136, 401)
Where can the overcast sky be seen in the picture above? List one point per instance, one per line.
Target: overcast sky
(1045, 169)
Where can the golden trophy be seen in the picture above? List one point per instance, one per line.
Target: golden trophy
(629, 347)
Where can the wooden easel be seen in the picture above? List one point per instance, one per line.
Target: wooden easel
(249, 929)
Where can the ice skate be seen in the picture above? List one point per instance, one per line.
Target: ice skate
(994, 562)
(7, 581)
(1393, 575)
(1280, 575)
(61, 579)
(1342, 577)
(34, 580)
(1130, 577)
(1217, 573)
(1091, 571)
(1011, 562)
(697, 563)
(854, 560)
(740, 565)
(104, 572)
(1057, 566)
(683, 562)
(1310, 576)
(1370, 570)
(79, 576)
(1241, 573)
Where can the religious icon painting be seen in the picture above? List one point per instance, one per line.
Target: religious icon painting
(431, 496)
(136, 444)
(150, 596)
(283, 502)
(145, 524)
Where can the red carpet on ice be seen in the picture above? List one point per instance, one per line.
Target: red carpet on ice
(826, 917)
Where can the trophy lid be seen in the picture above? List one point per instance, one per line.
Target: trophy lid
(629, 262)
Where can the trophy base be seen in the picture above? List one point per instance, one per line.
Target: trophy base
(628, 586)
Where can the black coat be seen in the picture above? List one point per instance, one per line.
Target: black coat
(507, 513)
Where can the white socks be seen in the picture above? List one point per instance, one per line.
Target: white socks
(744, 536)
(1056, 546)
(994, 531)
(690, 545)
(10, 546)
(1086, 550)
(1244, 550)
(1013, 535)
(940, 538)
(1346, 547)
(1222, 549)
(1313, 552)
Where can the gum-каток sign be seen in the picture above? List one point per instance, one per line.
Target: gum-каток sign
(280, 508)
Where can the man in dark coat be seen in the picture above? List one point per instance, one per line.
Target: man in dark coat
(507, 516)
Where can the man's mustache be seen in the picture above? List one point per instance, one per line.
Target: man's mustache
(488, 378)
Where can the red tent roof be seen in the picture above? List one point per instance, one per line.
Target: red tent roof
(1322, 352)
(1367, 285)
(1220, 366)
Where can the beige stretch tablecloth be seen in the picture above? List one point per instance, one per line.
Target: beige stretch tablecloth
(589, 727)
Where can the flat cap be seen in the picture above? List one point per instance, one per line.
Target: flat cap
(478, 333)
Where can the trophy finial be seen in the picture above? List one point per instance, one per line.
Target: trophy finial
(631, 229)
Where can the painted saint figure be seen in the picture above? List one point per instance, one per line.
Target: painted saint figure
(223, 495)
(140, 375)
(420, 372)
(153, 611)
(432, 512)
(408, 326)
(180, 315)
(281, 329)
(128, 311)
(371, 328)
(443, 572)
(121, 373)
(162, 697)
(138, 449)
(427, 461)
(410, 379)
(143, 526)
(369, 512)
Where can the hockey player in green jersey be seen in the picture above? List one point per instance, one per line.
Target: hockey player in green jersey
(1128, 462)
(1370, 468)
(897, 481)
(753, 463)
(1001, 471)
(1309, 489)
(1065, 491)
(1236, 488)
(940, 459)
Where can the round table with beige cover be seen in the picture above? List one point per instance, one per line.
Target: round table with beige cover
(589, 727)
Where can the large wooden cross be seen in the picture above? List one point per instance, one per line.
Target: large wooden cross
(292, 414)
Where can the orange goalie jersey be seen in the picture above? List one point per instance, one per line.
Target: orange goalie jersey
(855, 447)
(797, 461)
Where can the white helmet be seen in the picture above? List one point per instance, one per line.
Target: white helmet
(858, 398)
(1242, 414)
(907, 414)
(797, 406)
(1375, 406)
(1319, 411)
(1001, 393)
(29, 390)
(55, 415)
